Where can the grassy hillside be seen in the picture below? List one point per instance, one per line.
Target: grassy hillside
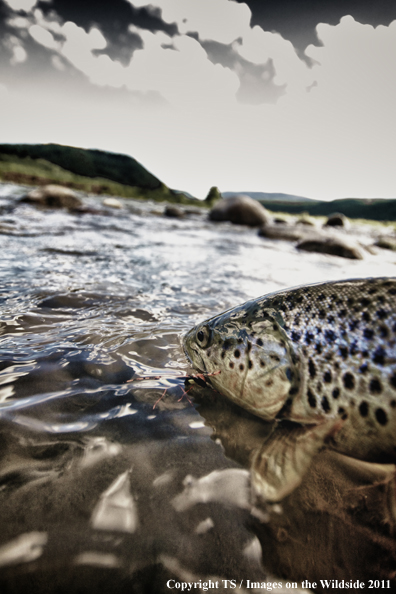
(91, 171)
(87, 162)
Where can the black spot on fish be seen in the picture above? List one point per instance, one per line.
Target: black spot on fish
(309, 337)
(330, 319)
(311, 368)
(393, 403)
(275, 358)
(269, 383)
(262, 363)
(311, 399)
(249, 346)
(384, 332)
(226, 344)
(327, 377)
(365, 354)
(372, 291)
(330, 335)
(240, 340)
(237, 353)
(368, 333)
(297, 321)
(363, 409)
(366, 316)
(259, 342)
(392, 381)
(381, 314)
(241, 367)
(342, 413)
(392, 291)
(295, 336)
(350, 301)
(348, 381)
(365, 302)
(293, 390)
(322, 314)
(379, 356)
(208, 352)
(363, 368)
(321, 297)
(381, 299)
(343, 350)
(250, 364)
(223, 354)
(231, 365)
(353, 349)
(318, 330)
(375, 386)
(319, 387)
(353, 325)
(381, 416)
(342, 313)
(325, 404)
(318, 348)
(289, 374)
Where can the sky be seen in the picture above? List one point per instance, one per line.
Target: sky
(293, 96)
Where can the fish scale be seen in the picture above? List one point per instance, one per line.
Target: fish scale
(322, 354)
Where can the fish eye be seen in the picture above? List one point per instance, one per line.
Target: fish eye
(203, 336)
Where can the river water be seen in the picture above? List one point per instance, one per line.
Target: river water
(102, 488)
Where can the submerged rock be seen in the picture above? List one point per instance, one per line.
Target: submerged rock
(334, 246)
(112, 203)
(337, 219)
(174, 212)
(285, 232)
(386, 242)
(53, 196)
(240, 210)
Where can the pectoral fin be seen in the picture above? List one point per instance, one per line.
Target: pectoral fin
(279, 466)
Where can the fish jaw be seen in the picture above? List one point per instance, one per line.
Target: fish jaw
(256, 373)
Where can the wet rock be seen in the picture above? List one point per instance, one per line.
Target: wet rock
(285, 232)
(334, 246)
(305, 221)
(240, 210)
(174, 212)
(337, 219)
(386, 242)
(112, 202)
(53, 196)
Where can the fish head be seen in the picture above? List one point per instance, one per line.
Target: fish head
(254, 361)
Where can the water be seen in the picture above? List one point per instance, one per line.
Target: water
(101, 480)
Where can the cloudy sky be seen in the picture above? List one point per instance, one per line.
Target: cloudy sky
(291, 96)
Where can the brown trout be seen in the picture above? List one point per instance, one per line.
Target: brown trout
(322, 356)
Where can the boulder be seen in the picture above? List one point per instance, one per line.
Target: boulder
(285, 232)
(240, 210)
(334, 246)
(337, 219)
(112, 203)
(53, 196)
(386, 242)
(174, 212)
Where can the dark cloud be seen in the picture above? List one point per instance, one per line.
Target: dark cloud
(296, 20)
(256, 80)
(113, 20)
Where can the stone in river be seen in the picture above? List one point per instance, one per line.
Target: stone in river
(174, 212)
(334, 246)
(337, 219)
(53, 196)
(240, 210)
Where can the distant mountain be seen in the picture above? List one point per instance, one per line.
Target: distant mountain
(376, 209)
(270, 196)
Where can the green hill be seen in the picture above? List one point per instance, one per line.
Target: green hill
(88, 162)
(89, 170)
